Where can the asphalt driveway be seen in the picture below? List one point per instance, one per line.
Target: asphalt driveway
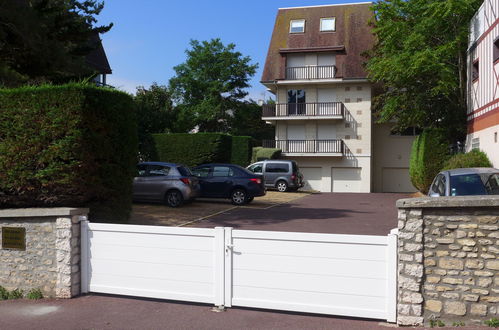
(338, 213)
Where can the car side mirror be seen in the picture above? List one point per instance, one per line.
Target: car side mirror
(434, 194)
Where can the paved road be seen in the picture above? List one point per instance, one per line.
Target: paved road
(339, 213)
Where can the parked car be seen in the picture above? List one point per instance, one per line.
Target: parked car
(229, 181)
(165, 182)
(465, 181)
(280, 174)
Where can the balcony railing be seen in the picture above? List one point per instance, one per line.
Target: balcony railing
(311, 72)
(306, 146)
(336, 109)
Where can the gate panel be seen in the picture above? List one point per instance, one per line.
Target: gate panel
(346, 275)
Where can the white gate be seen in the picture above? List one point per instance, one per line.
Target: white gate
(349, 275)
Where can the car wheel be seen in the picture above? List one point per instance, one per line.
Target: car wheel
(282, 186)
(250, 199)
(174, 198)
(238, 197)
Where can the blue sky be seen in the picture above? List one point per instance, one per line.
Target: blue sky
(150, 37)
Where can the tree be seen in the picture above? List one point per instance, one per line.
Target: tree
(46, 40)
(210, 85)
(155, 114)
(247, 121)
(420, 61)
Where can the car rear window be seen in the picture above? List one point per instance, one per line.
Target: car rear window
(295, 167)
(467, 184)
(277, 168)
(184, 171)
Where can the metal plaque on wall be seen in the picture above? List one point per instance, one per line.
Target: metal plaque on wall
(14, 238)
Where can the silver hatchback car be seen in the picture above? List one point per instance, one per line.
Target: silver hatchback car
(465, 181)
(164, 182)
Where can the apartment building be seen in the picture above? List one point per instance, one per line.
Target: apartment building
(322, 115)
(483, 82)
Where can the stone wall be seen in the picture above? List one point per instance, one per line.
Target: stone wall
(51, 261)
(448, 260)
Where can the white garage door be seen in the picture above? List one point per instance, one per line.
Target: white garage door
(346, 179)
(312, 177)
(397, 180)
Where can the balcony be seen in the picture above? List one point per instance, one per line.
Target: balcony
(311, 72)
(307, 147)
(330, 110)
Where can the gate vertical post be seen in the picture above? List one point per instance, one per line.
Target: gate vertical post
(219, 268)
(391, 270)
(229, 247)
(85, 255)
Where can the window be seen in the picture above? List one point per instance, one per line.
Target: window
(475, 143)
(440, 186)
(496, 50)
(221, 171)
(201, 172)
(474, 71)
(184, 171)
(328, 24)
(297, 26)
(256, 168)
(296, 102)
(157, 170)
(495, 137)
(467, 184)
(492, 184)
(277, 168)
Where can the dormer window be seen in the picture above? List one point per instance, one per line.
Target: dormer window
(328, 24)
(297, 26)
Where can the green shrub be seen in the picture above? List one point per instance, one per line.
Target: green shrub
(260, 153)
(4, 294)
(70, 145)
(474, 158)
(493, 322)
(35, 294)
(241, 150)
(430, 151)
(193, 149)
(16, 294)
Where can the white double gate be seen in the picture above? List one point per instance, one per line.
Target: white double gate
(350, 275)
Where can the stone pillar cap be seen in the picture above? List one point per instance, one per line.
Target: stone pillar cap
(42, 212)
(454, 201)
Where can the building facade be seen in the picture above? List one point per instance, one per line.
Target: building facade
(322, 114)
(483, 82)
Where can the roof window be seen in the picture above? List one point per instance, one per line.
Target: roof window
(297, 26)
(328, 24)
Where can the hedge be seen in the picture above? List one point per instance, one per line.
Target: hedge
(193, 149)
(430, 151)
(241, 150)
(73, 145)
(474, 158)
(260, 153)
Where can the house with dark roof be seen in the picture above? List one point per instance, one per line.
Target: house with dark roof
(97, 60)
(322, 114)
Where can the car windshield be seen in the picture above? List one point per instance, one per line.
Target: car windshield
(467, 184)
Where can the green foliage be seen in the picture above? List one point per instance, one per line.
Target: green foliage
(4, 294)
(241, 150)
(458, 324)
(193, 149)
(16, 294)
(493, 323)
(247, 121)
(429, 152)
(210, 85)
(155, 114)
(474, 158)
(35, 294)
(46, 40)
(260, 153)
(70, 145)
(420, 60)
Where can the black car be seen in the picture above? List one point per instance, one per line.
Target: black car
(229, 181)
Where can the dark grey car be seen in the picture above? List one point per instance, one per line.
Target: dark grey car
(465, 181)
(280, 174)
(164, 182)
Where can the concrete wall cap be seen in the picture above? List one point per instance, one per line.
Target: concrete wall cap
(42, 212)
(445, 202)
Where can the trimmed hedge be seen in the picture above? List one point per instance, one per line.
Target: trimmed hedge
(193, 149)
(260, 153)
(474, 158)
(72, 145)
(430, 151)
(241, 150)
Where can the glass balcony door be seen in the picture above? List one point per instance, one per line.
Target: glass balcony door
(296, 102)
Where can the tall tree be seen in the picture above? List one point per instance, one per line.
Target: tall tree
(155, 114)
(210, 85)
(419, 59)
(46, 40)
(247, 120)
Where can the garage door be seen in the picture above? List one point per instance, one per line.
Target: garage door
(312, 177)
(346, 179)
(396, 180)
